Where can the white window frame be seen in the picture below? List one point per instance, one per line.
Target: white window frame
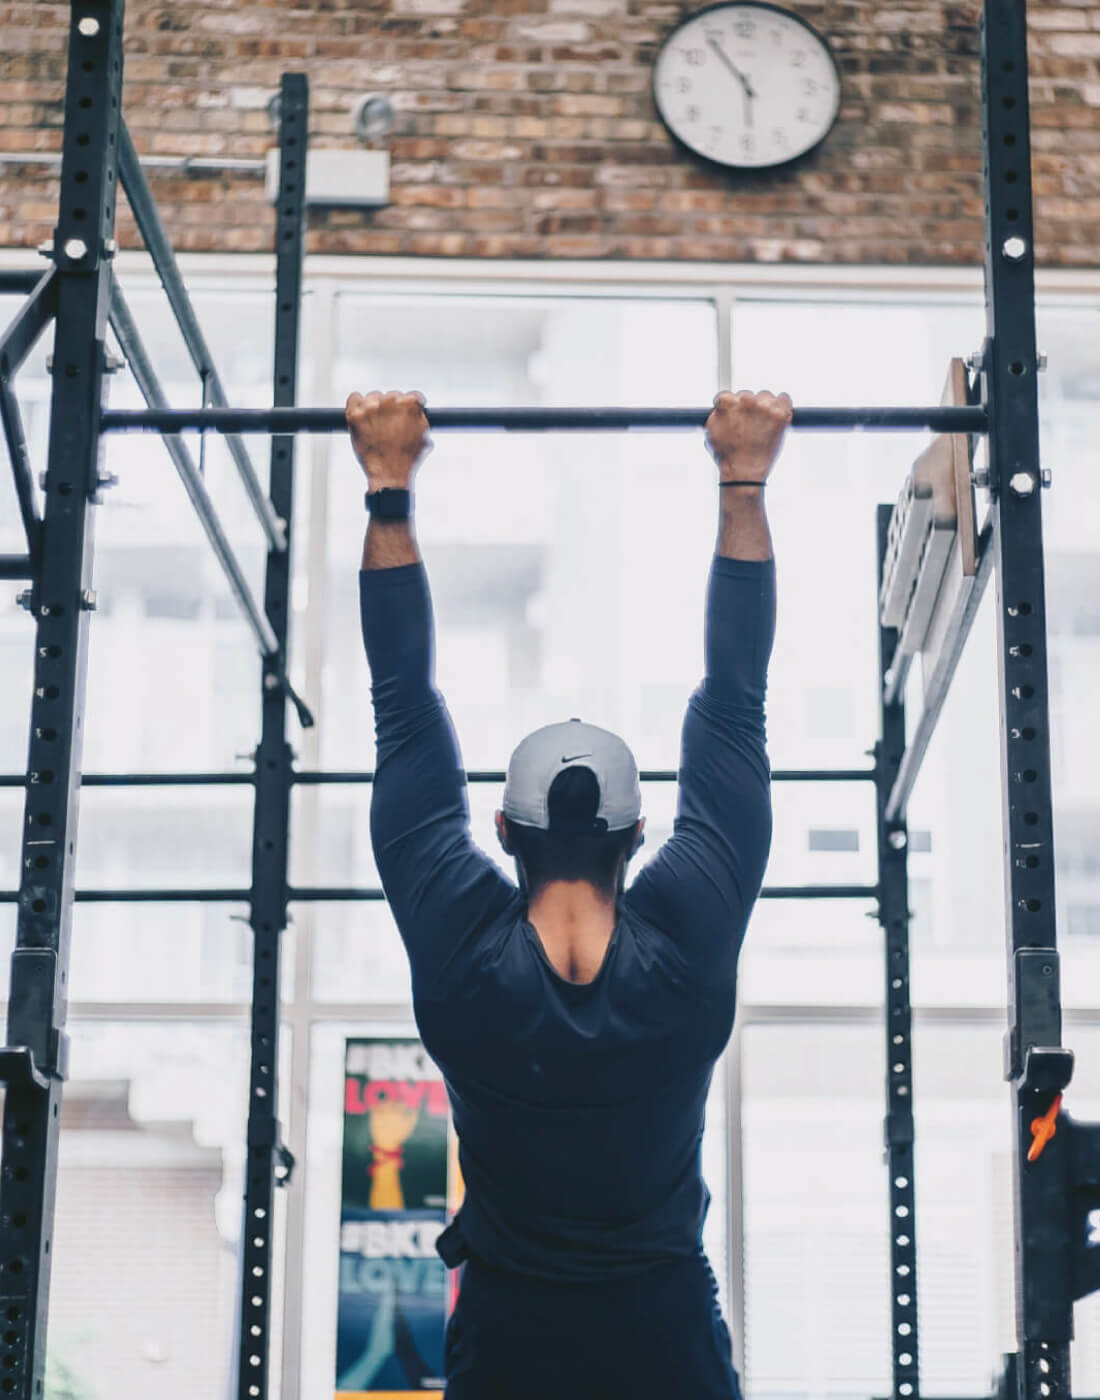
(326, 277)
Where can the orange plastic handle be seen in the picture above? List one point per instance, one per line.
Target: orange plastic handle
(1043, 1129)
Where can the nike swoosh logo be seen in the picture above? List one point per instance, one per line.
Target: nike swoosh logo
(575, 757)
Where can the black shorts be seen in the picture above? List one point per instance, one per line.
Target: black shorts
(659, 1334)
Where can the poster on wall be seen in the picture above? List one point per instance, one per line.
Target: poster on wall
(396, 1188)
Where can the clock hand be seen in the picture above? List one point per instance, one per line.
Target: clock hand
(733, 68)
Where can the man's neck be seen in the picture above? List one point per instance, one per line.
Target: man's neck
(571, 903)
(574, 923)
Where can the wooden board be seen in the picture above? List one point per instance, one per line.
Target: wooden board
(962, 462)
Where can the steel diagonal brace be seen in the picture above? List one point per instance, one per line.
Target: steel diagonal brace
(159, 247)
(27, 325)
(16, 439)
(141, 367)
(16, 343)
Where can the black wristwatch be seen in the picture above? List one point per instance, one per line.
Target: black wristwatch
(389, 503)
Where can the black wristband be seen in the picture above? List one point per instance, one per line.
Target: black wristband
(389, 503)
(761, 484)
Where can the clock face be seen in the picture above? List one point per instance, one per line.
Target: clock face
(747, 85)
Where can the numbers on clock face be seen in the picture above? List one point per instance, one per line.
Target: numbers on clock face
(747, 85)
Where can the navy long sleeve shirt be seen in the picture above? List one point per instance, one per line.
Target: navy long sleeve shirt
(579, 1107)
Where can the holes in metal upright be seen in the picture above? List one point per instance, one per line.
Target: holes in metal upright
(273, 785)
(893, 886)
(1044, 1293)
(35, 1059)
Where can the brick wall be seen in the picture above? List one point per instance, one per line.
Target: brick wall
(526, 128)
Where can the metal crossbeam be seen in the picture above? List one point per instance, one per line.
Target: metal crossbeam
(536, 420)
(313, 779)
(350, 894)
(18, 281)
(645, 775)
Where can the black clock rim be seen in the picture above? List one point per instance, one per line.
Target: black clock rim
(750, 5)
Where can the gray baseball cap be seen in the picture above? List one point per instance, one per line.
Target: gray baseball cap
(549, 751)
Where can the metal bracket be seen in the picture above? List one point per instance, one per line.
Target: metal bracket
(1047, 1070)
(897, 1129)
(281, 682)
(1037, 1014)
(284, 1164)
(267, 1132)
(19, 1071)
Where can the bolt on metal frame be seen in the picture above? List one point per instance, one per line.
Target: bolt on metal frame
(1054, 1265)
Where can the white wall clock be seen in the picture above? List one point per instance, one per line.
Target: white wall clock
(747, 85)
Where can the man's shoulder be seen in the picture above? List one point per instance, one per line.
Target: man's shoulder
(482, 957)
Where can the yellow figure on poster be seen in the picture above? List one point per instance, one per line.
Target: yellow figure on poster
(391, 1126)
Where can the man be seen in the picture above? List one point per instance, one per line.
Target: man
(576, 1023)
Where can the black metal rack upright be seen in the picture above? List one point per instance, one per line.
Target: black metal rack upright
(59, 551)
(1054, 1191)
(269, 1162)
(894, 916)
(1036, 1066)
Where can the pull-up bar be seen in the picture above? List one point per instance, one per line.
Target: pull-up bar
(532, 420)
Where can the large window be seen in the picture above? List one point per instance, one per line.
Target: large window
(568, 574)
(151, 1173)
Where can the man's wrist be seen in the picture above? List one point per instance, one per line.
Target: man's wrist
(384, 473)
(388, 482)
(746, 469)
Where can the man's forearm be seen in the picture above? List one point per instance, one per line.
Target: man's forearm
(390, 544)
(743, 524)
(743, 533)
